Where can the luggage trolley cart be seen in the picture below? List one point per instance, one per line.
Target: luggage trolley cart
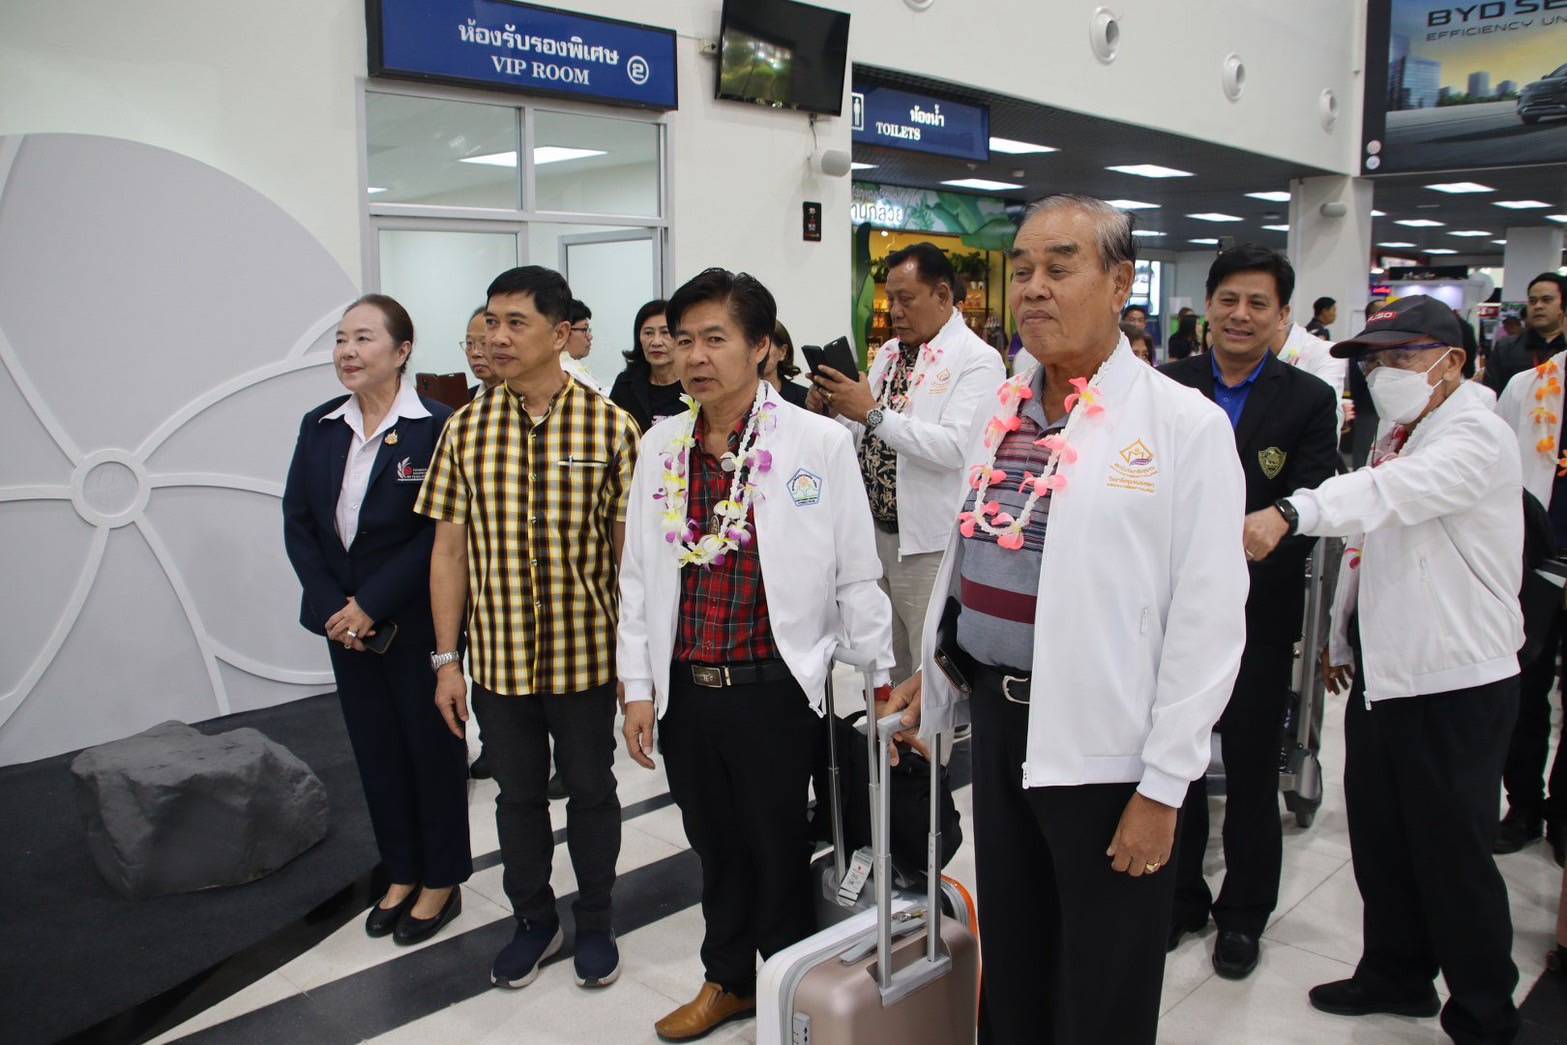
(1300, 771)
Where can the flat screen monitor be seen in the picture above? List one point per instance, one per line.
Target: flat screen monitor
(783, 54)
(1451, 87)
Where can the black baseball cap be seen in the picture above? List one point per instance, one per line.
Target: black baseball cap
(1417, 317)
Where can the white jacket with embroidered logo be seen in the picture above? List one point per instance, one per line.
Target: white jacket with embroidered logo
(817, 548)
(1141, 615)
(931, 435)
(1516, 406)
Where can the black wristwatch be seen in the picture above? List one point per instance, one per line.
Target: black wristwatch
(1287, 510)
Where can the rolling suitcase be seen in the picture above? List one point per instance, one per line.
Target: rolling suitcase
(1300, 768)
(899, 973)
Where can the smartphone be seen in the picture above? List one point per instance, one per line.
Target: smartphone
(836, 354)
(381, 641)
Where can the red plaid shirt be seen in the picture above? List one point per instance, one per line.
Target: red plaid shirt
(723, 608)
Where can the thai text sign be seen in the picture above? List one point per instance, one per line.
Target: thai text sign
(883, 116)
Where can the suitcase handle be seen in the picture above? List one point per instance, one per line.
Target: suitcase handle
(866, 662)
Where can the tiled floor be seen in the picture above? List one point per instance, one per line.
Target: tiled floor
(1313, 937)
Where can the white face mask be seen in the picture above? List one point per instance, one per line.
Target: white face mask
(1400, 395)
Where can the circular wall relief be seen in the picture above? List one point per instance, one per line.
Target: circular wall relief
(110, 488)
(1104, 34)
(1373, 162)
(1233, 76)
(919, 5)
(1373, 147)
(1327, 108)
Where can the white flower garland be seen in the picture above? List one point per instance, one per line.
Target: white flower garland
(731, 516)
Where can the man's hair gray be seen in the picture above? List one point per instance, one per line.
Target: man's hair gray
(1116, 242)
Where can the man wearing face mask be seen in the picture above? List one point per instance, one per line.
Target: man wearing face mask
(1426, 628)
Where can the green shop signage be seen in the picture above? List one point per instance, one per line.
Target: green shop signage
(981, 222)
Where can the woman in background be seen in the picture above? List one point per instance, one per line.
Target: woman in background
(649, 388)
(781, 368)
(363, 559)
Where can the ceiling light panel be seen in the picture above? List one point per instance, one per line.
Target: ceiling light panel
(1271, 197)
(1017, 148)
(1522, 204)
(1277, 228)
(1149, 170)
(1459, 188)
(1213, 216)
(1469, 233)
(1395, 245)
(1421, 223)
(981, 183)
(1439, 250)
(1132, 205)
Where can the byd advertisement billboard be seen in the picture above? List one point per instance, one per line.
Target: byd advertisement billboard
(1452, 84)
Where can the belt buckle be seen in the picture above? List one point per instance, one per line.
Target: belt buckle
(1006, 687)
(710, 676)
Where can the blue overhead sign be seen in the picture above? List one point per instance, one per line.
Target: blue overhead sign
(520, 47)
(900, 120)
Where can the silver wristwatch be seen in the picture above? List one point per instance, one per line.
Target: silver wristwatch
(440, 660)
(872, 419)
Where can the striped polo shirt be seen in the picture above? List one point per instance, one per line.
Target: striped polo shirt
(999, 588)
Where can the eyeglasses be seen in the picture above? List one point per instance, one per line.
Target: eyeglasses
(469, 344)
(1395, 356)
(583, 329)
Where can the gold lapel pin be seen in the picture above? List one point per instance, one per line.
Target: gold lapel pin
(391, 438)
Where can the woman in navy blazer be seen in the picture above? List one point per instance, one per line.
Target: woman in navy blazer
(363, 559)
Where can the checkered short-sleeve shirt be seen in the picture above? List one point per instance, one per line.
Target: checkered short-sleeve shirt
(539, 498)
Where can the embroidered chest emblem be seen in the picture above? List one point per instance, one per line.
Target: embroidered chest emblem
(1135, 470)
(407, 473)
(1137, 455)
(805, 488)
(1272, 461)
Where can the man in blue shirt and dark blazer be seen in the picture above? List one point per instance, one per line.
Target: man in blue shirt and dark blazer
(1286, 432)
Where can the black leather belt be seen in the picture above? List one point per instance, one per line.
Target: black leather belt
(1011, 683)
(718, 676)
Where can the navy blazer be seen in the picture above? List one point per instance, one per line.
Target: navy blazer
(388, 568)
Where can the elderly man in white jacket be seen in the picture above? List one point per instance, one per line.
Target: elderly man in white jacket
(911, 416)
(748, 558)
(1088, 618)
(1427, 613)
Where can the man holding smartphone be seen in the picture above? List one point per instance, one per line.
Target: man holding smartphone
(911, 416)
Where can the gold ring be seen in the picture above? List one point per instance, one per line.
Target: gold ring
(352, 633)
(1151, 868)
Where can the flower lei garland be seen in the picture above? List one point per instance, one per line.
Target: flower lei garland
(1548, 394)
(1087, 401)
(928, 357)
(731, 516)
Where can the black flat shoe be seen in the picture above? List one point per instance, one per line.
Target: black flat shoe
(480, 769)
(382, 920)
(1351, 998)
(1235, 954)
(1179, 927)
(411, 930)
(1517, 829)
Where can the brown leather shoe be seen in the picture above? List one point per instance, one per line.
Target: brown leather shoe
(712, 1008)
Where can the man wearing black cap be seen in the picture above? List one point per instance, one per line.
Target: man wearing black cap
(1426, 628)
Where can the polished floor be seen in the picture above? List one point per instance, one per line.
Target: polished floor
(352, 988)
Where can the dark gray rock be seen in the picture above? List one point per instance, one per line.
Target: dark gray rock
(173, 810)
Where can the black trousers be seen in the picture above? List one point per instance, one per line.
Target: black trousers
(1532, 735)
(413, 770)
(739, 766)
(1073, 953)
(1420, 785)
(517, 732)
(1253, 837)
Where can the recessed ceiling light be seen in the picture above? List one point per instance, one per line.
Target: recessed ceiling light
(1213, 216)
(372, 190)
(1271, 197)
(1469, 233)
(1379, 214)
(862, 166)
(1017, 148)
(1395, 245)
(1460, 187)
(543, 154)
(1204, 242)
(494, 159)
(1522, 204)
(1556, 217)
(1149, 170)
(1439, 250)
(1421, 223)
(1146, 232)
(1132, 205)
(1502, 241)
(1277, 228)
(981, 183)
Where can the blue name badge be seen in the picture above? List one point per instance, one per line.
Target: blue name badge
(520, 47)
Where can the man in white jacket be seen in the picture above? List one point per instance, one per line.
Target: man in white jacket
(1091, 612)
(1426, 617)
(911, 416)
(748, 558)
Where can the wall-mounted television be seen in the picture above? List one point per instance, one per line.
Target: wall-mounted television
(783, 54)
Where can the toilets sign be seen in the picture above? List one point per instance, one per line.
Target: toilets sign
(920, 123)
(497, 43)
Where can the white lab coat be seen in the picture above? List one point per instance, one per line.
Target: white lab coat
(1315, 356)
(1516, 406)
(931, 436)
(818, 553)
(1439, 533)
(1141, 616)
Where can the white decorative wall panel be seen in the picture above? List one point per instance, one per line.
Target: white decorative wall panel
(162, 329)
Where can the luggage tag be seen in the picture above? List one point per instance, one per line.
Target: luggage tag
(854, 880)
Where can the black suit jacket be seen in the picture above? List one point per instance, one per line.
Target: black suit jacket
(388, 568)
(1288, 440)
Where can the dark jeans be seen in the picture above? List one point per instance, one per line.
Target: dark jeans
(1253, 838)
(1532, 735)
(1073, 953)
(1420, 784)
(414, 771)
(517, 733)
(739, 766)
